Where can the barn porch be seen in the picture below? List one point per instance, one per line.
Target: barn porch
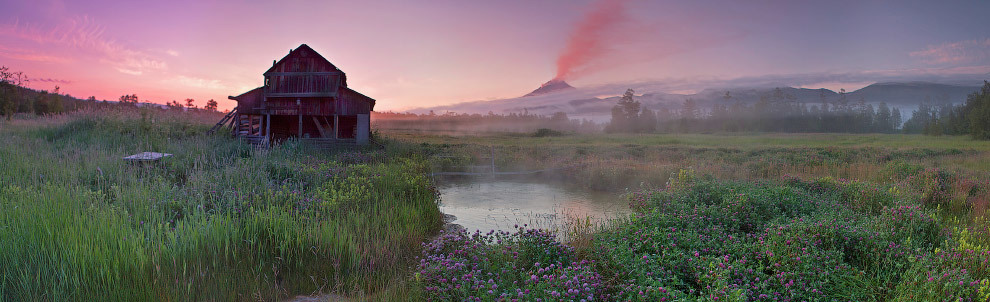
(305, 97)
(313, 128)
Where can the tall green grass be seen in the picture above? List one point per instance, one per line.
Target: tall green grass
(219, 220)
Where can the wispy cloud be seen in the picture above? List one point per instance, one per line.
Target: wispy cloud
(201, 83)
(129, 71)
(966, 75)
(83, 35)
(50, 80)
(962, 52)
(28, 55)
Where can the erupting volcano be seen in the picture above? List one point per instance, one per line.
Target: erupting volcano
(585, 44)
(550, 86)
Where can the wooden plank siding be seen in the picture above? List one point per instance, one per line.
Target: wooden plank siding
(315, 106)
(249, 102)
(305, 96)
(321, 84)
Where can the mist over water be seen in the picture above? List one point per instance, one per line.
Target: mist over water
(487, 203)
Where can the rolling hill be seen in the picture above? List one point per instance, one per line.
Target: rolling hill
(590, 104)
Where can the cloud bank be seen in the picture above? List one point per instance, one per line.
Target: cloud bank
(962, 52)
(76, 35)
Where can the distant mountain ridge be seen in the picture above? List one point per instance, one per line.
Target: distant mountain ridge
(914, 92)
(584, 104)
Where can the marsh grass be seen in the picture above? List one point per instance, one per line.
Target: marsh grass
(622, 163)
(946, 173)
(219, 220)
(753, 217)
(701, 240)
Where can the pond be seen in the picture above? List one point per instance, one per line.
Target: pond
(499, 203)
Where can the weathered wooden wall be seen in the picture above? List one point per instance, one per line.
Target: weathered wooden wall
(304, 83)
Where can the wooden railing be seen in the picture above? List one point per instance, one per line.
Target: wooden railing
(307, 108)
(302, 84)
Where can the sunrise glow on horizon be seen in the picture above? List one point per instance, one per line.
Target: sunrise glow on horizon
(418, 54)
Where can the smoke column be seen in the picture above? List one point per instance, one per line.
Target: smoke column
(587, 40)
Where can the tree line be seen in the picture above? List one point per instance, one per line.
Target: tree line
(16, 98)
(779, 112)
(969, 118)
(775, 112)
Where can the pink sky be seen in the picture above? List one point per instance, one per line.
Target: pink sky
(411, 54)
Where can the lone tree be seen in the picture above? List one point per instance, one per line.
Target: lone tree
(12, 93)
(211, 105)
(625, 114)
(8, 105)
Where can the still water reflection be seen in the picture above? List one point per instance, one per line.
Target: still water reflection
(489, 203)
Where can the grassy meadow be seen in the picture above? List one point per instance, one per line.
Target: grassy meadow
(754, 217)
(219, 220)
(612, 162)
(741, 217)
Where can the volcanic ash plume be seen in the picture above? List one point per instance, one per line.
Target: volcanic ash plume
(586, 42)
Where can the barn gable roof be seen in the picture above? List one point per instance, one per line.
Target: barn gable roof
(303, 60)
(253, 92)
(351, 94)
(304, 51)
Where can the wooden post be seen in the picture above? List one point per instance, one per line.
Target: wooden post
(363, 129)
(493, 159)
(336, 127)
(268, 126)
(299, 109)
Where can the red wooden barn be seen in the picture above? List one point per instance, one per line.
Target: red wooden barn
(304, 96)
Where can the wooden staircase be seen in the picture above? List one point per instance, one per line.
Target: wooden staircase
(229, 117)
(249, 125)
(325, 126)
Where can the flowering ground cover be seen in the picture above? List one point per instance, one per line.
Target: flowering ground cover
(704, 240)
(221, 220)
